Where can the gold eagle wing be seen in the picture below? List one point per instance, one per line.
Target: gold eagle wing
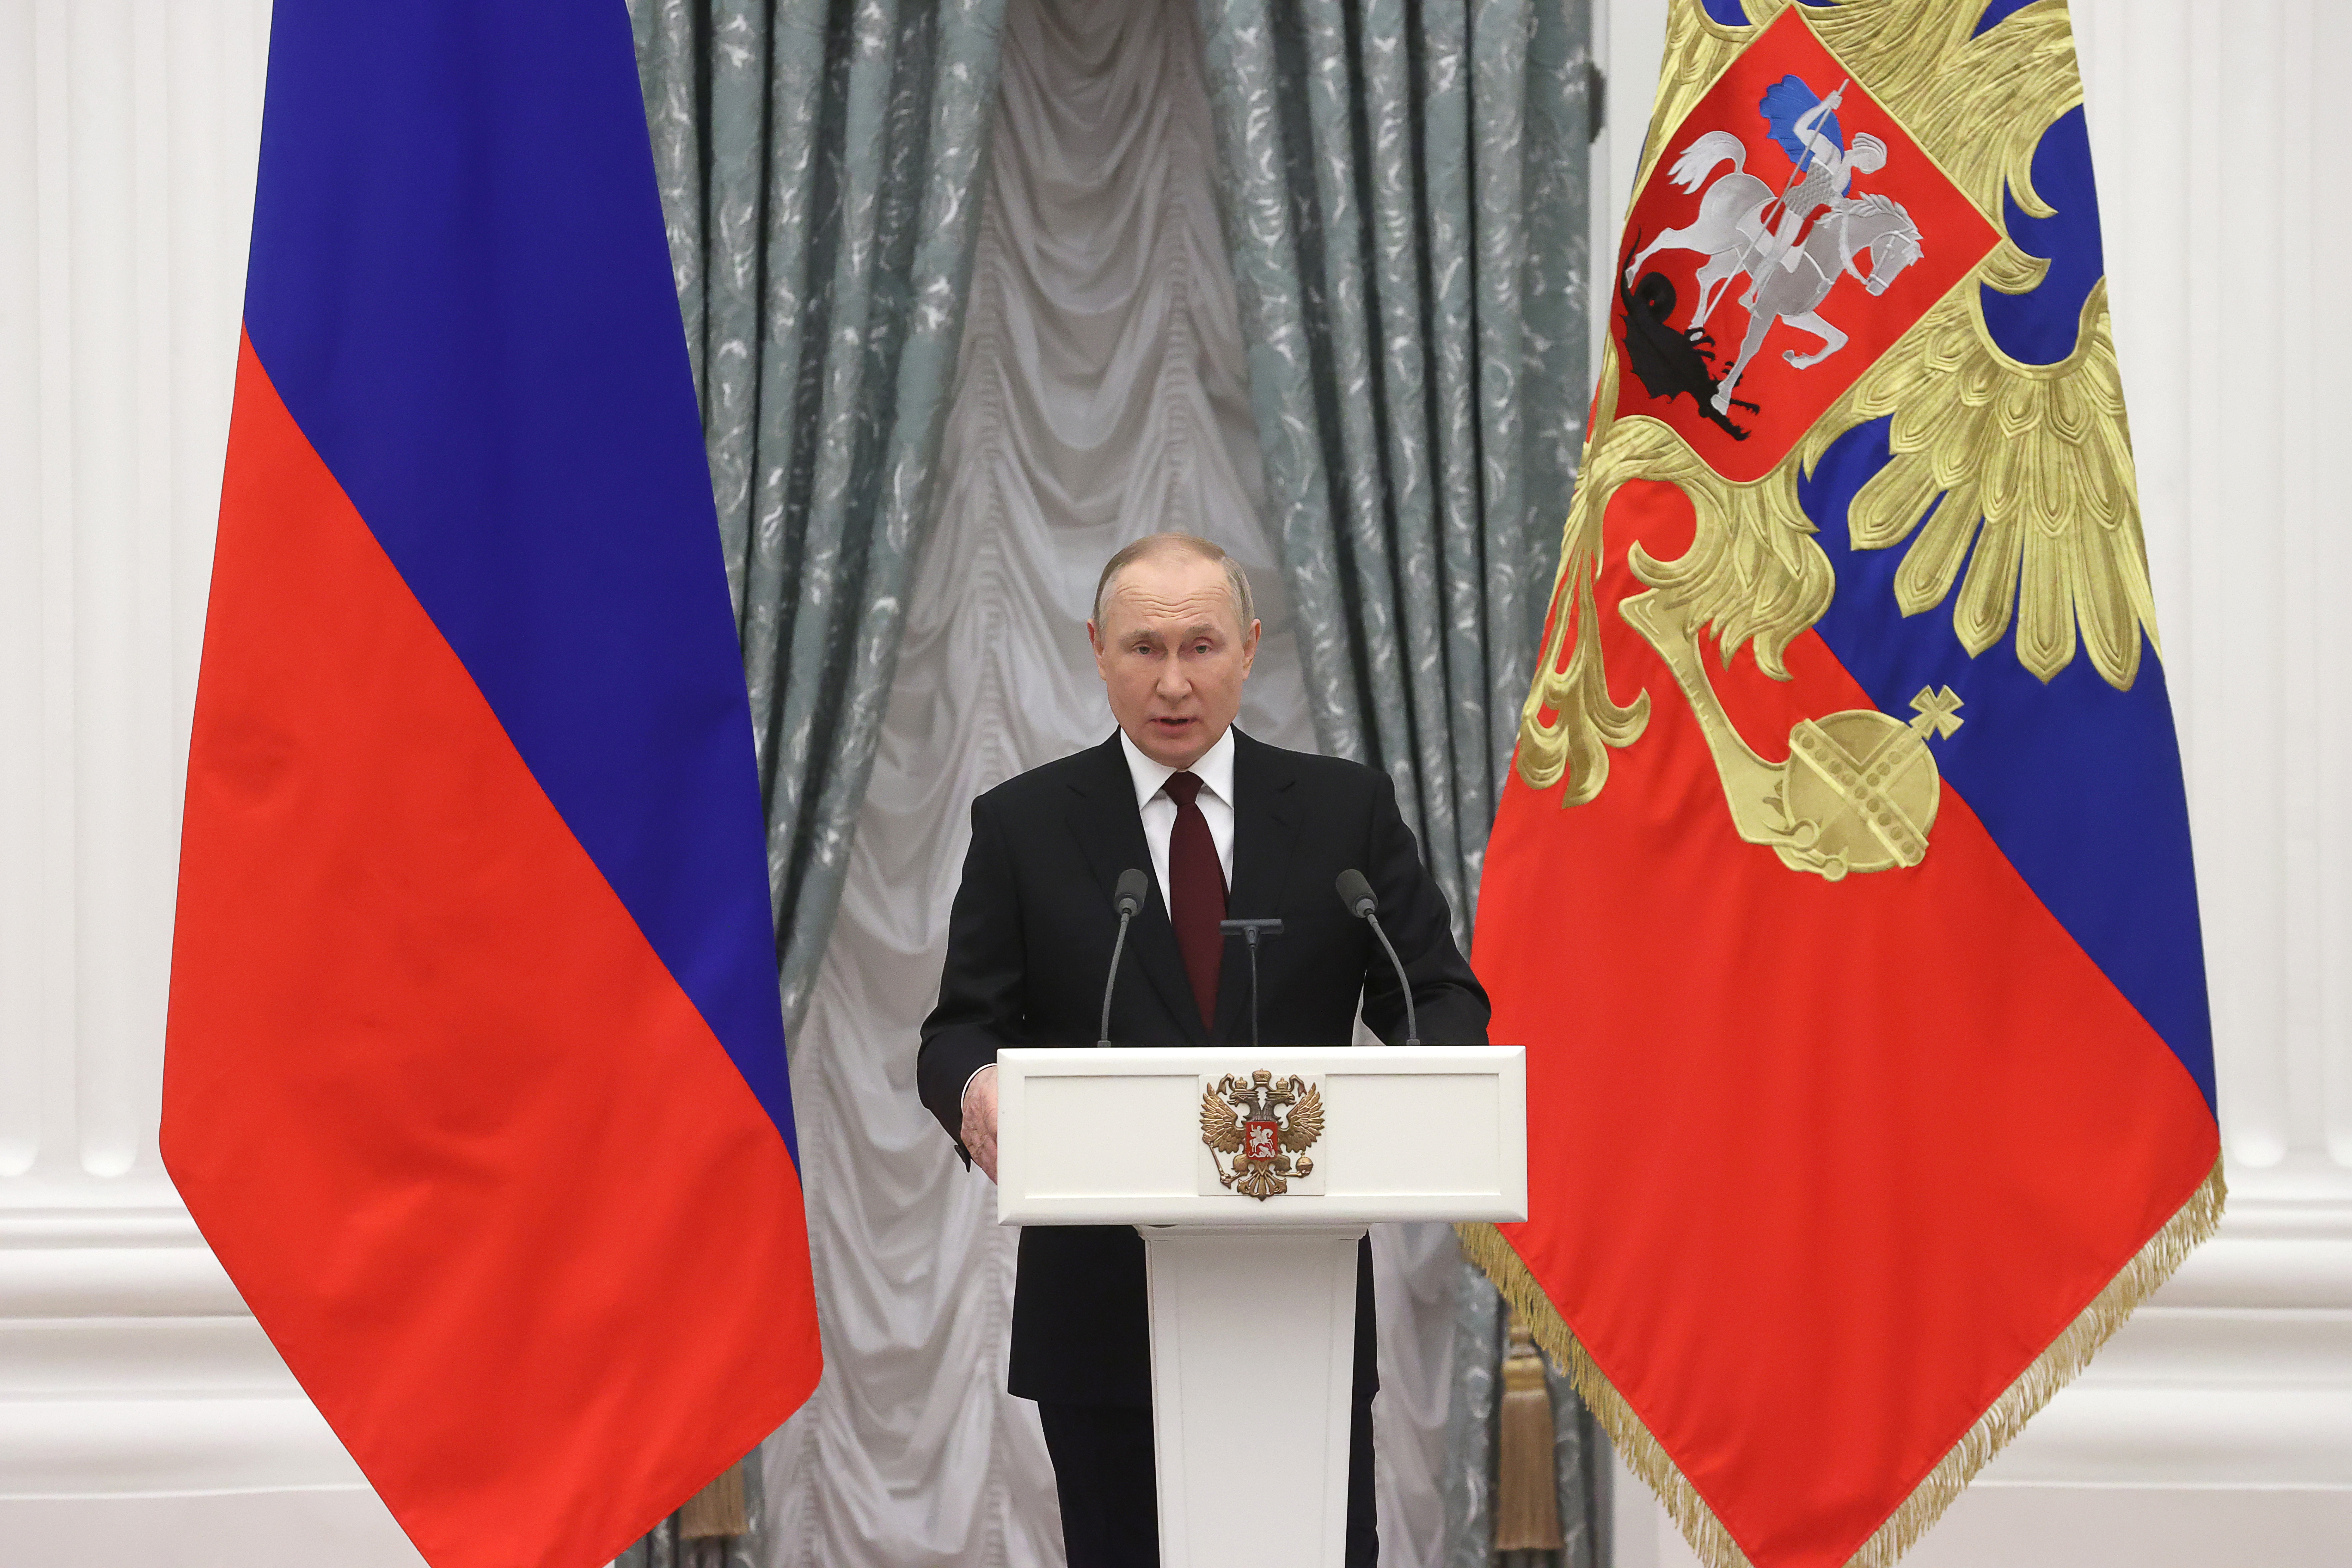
(1219, 1129)
(1305, 1122)
(2013, 483)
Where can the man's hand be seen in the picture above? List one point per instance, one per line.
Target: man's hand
(980, 1119)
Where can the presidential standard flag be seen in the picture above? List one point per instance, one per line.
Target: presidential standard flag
(1842, 888)
(476, 1077)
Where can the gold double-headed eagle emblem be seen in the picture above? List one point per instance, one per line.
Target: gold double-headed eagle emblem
(1253, 1128)
(2009, 485)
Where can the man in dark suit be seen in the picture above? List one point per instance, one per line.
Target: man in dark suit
(1230, 828)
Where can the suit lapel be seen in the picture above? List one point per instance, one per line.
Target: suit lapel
(1109, 831)
(1266, 815)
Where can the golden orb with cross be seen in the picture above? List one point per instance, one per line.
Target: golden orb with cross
(1860, 789)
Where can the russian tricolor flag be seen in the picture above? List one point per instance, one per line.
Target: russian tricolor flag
(475, 1075)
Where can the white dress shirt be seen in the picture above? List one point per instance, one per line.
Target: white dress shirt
(1216, 771)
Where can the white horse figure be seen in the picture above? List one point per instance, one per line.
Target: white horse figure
(1789, 285)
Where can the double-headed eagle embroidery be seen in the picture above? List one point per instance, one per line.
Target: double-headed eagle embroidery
(2012, 482)
(1261, 1123)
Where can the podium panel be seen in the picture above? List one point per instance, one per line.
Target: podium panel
(1115, 1136)
(1253, 1358)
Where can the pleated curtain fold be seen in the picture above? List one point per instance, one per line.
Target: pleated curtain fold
(820, 166)
(1405, 200)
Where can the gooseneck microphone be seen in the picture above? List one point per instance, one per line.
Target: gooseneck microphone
(1133, 887)
(1357, 894)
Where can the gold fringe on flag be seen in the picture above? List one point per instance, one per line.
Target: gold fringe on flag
(2055, 1367)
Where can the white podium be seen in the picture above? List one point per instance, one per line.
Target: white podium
(1251, 1175)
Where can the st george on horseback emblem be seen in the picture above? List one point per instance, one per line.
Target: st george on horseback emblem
(1821, 212)
(1255, 1126)
(1792, 232)
(1790, 249)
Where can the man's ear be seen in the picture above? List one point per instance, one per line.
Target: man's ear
(1094, 638)
(1249, 646)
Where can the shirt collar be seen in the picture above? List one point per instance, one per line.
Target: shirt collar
(1214, 769)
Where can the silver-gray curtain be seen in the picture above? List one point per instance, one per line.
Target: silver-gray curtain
(1404, 198)
(1403, 191)
(1403, 187)
(820, 167)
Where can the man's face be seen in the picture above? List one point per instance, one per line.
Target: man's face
(1174, 655)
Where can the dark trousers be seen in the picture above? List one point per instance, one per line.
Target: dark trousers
(1110, 1500)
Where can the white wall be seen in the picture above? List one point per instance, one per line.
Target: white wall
(2216, 1429)
(143, 1419)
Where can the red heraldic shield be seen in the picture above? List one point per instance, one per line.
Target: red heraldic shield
(474, 1071)
(1746, 307)
(1261, 1139)
(1840, 890)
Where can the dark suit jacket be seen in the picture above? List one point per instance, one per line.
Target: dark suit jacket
(1029, 942)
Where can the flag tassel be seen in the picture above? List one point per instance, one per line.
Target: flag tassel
(717, 1510)
(1526, 1484)
(2193, 1223)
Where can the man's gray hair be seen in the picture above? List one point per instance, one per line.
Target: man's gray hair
(1158, 545)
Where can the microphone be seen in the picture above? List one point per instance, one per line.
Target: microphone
(1134, 887)
(1357, 894)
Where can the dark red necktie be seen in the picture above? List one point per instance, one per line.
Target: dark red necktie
(1196, 893)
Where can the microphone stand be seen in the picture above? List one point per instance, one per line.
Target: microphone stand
(1412, 1023)
(1117, 947)
(1249, 931)
(1133, 889)
(1357, 894)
